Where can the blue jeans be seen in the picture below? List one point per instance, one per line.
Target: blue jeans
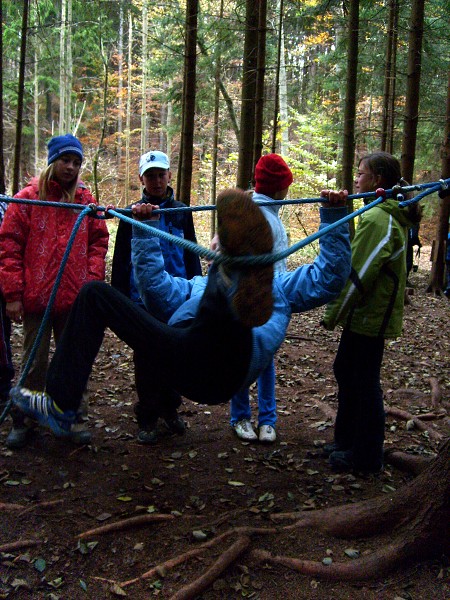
(267, 406)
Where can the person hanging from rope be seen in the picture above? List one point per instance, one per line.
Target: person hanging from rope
(155, 401)
(6, 364)
(370, 310)
(209, 336)
(33, 239)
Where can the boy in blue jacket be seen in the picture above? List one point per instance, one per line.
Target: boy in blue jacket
(231, 322)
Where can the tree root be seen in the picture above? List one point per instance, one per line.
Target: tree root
(222, 563)
(406, 416)
(125, 524)
(18, 545)
(177, 560)
(411, 463)
(10, 507)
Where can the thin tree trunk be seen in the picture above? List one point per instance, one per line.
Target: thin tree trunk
(104, 120)
(120, 89)
(277, 78)
(20, 94)
(282, 94)
(128, 113)
(348, 148)
(260, 76)
(392, 90)
(388, 77)
(440, 242)
(247, 127)
(62, 68)
(215, 147)
(69, 67)
(190, 64)
(412, 89)
(144, 58)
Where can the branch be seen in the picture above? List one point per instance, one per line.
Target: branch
(125, 524)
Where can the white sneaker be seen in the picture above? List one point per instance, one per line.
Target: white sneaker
(267, 433)
(244, 430)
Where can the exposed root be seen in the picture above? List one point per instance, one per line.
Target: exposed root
(406, 416)
(18, 545)
(125, 524)
(411, 463)
(222, 563)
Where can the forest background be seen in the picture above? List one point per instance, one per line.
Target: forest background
(126, 76)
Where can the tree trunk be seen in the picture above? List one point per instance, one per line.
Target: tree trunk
(144, 59)
(389, 78)
(247, 126)
(440, 242)
(277, 78)
(120, 89)
(348, 148)
(128, 110)
(260, 76)
(20, 94)
(412, 89)
(190, 63)
(62, 68)
(2, 158)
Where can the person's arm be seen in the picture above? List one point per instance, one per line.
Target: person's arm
(161, 293)
(316, 284)
(14, 234)
(97, 249)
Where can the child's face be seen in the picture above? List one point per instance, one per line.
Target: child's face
(66, 169)
(365, 180)
(156, 181)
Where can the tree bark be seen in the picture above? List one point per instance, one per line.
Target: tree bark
(20, 95)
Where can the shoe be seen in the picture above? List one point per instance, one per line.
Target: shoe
(244, 231)
(244, 430)
(175, 424)
(18, 437)
(148, 436)
(267, 433)
(341, 460)
(40, 407)
(327, 449)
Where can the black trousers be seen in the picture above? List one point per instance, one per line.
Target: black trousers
(206, 361)
(360, 417)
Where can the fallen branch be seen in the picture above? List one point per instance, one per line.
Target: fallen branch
(7, 507)
(125, 524)
(11, 546)
(406, 416)
(10, 507)
(201, 584)
(436, 392)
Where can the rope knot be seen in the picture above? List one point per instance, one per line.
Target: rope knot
(380, 193)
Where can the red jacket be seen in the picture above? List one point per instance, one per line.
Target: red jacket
(33, 240)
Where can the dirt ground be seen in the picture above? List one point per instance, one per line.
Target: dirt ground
(208, 481)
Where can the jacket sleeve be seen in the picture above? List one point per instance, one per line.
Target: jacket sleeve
(191, 260)
(316, 284)
(13, 239)
(371, 248)
(121, 262)
(161, 293)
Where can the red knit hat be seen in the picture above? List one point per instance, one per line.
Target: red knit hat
(272, 175)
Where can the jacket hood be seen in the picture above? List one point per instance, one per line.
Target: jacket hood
(398, 212)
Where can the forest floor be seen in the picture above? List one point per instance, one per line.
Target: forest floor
(208, 482)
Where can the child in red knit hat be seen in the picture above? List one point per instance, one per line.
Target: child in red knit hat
(272, 180)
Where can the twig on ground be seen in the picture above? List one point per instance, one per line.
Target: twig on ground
(125, 524)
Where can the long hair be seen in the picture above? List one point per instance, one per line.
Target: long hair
(388, 167)
(68, 195)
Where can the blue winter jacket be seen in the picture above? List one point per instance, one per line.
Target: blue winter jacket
(175, 300)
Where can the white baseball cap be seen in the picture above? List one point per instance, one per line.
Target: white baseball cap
(153, 160)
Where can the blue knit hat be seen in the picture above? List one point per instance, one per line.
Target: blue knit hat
(63, 144)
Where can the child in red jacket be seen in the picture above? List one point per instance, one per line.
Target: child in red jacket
(33, 240)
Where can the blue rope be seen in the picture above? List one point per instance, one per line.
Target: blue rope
(45, 318)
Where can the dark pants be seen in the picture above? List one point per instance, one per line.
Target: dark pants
(6, 366)
(206, 361)
(155, 398)
(360, 417)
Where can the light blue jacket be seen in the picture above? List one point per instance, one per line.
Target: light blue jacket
(176, 300)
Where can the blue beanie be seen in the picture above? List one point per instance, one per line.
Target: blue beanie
(63, 144)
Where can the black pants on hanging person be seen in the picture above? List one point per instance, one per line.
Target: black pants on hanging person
(360, 418)
(206, 361)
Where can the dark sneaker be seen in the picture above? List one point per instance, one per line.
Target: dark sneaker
(40, 407)
(341, 461)
(149, 436)
(244, 231)
(327, 449)
(18, 437)
(175, 424)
